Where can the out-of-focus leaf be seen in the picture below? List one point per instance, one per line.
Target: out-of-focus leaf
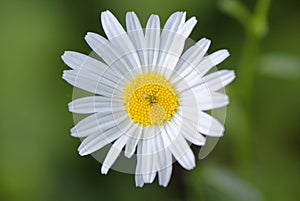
(228, 184)
(236, 10)
(280, 65)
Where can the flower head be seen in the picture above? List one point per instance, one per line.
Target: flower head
(150, 97)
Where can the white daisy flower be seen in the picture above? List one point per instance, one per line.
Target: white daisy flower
(150, 97)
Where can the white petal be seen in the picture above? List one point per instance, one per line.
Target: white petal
(178, 146)
(218, 80)
(77, 61)
(193, 76)
(174, 21)
(152, 40)
(92, 83)
(148, 164)
(120, 40)
(148, 161)
(187, 118)
(186, 28)
(111, 26)
(136, 35)
(190, 59)
(109, 54)
(97, 123)
(134, 136)
(171, 44)
(212, 101)
(164, 175)
(92, 104)
(95, 142)
(189, 131)
(163, 161)
(139, 181)
(211, 60)
(208, 125)
(113, 153)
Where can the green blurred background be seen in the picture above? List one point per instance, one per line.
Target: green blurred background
(257, 159)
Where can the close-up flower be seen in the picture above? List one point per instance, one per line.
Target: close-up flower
(150, 94)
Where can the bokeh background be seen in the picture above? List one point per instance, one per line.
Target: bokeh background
(257, 159)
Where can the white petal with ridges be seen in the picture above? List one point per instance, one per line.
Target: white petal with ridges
(213, 101)
(147, 162)
(95, 142)
(134, 136)
(211, 60)
(109, 54)
(92, 104)
(171, 44)
(189, 60)
(152, 40)
(178, 146)
(210, 126)
(92, 83)
(78, 61)
(136, 35)
(186, 28)
(193, 76)
(218, 80)
(113, 153)
(189, 131)
(120, 40)
(98, 123)
(139, 180)
(164, 162)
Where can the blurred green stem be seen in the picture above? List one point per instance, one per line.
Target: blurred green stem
(255, 31)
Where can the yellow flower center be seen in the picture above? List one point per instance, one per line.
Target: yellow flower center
(150, 99)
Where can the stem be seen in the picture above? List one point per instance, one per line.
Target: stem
(255, 31)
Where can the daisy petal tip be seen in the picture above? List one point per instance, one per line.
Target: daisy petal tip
(88, 35)
(220, 134)
(104, 170)
(207, 41)
(70, 106)
(193, 20)
(103, 12)
(154, 16)
(127, 154)
(82, 152)
(232, 73)
(204, 43)
(225, 52)
(164, 185)
(139, 185)
(64, 75)
(191, 165)
(128, 14)
(64, 54)
(74, 134)
(73, 130)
